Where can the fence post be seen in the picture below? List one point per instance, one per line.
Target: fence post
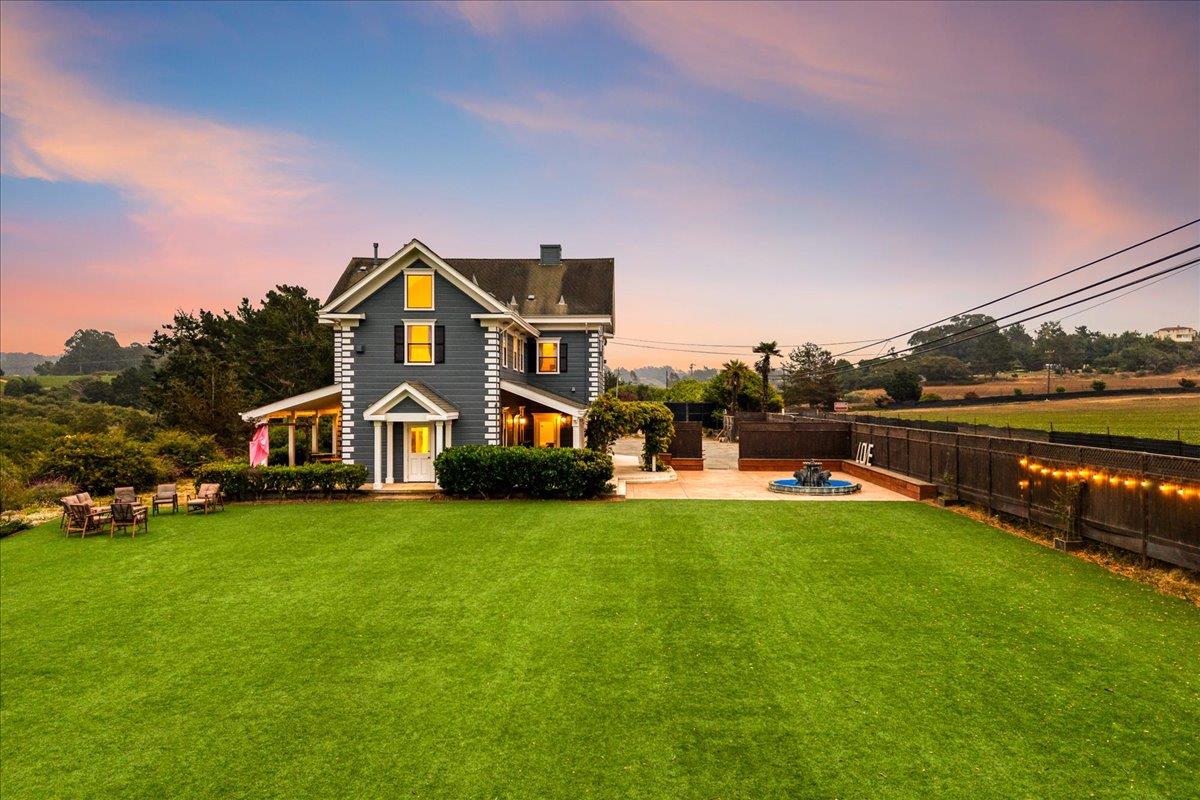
(989, 473)
(1145, 504)
(929, 458)
(957, 482)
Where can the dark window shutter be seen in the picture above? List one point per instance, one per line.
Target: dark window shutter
(398, 338)
(439, 344)
(562, 357)
(531, 355)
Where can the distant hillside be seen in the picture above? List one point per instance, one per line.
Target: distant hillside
(657, 375)
(22, 363)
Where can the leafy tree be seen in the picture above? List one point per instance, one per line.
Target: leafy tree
(941, 369)
(810, 377)
(765, 350)
(903, 385)
(212, 366)
(986, 349)
(738, 388)
(89, 350)
(94, 390)
(684, 390)
(134, 387)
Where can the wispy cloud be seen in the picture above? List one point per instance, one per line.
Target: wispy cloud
(547, 113)
(61, 127)
(992, 94)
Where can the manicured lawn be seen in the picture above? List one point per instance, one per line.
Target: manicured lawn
(638, 649)
(1152, 417)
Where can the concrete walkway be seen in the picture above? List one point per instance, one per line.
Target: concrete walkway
(725, 484)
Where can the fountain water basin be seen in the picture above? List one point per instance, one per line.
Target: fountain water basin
(813, 480)
(833, 486)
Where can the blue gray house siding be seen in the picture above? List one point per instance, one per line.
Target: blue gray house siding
(573, 383)
(459, 380)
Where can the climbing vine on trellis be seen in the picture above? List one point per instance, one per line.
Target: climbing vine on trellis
(610, 418)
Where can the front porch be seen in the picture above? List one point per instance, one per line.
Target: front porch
(305, 410)
(534, 417)
(426, 427)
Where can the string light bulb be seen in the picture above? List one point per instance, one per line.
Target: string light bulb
(1185, 493)
(1114, 480)
(1130, 483)
(1146, 484)
(1083, 473)
(1098, 477)
(1023, 461)
(1167, 488)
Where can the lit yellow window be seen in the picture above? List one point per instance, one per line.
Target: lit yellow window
(418, 440)
(418, 292)
(547, 356)
(420, 344)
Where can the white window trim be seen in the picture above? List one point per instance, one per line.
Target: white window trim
(432, 289)
(504, 349)
(538, 356)
(432, 325)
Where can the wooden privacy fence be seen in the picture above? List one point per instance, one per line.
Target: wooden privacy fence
(1142, 502)
(687, 446)
(779, 444)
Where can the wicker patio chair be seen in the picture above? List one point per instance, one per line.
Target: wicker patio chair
(208, 498)
(128, 515)
(83, 518)
(165, 495)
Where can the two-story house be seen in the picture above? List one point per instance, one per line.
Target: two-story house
(432, 352)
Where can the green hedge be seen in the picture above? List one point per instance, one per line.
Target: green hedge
(492, 471)
(240, 481)
(98, 462)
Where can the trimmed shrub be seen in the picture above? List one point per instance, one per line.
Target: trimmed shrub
(97, 462)
(1099, 386)
(971, 396)
(493, 471)
(1018, 392)
(930, 397)
(240, 481)
(1060, 390)
(1187, 383)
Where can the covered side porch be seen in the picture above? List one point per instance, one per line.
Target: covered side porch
(305, 410)
(422, 421)
(534, 417)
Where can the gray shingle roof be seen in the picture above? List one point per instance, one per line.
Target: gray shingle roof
(434, 397)
(584, 285)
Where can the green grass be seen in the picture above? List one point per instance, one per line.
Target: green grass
(638, 649)
(54, 381)
(1150, 416)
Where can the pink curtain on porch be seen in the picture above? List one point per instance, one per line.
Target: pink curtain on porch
(260, 446)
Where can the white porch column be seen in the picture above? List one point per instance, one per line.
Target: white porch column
(292, 441)
(449, 428)
(577, 432)
(391, 450)
(378, 454)
(336, 434)
(314, 432)
(440, 428)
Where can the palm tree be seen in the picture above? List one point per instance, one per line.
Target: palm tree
(734, 375)
(766, 350)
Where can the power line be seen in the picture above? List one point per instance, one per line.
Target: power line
(1126, 294)
(1092, 285)
(922, 349)
(1032, 286)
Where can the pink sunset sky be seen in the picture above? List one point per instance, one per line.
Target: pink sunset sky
(796, 172)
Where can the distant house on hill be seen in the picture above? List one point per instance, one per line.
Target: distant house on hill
(1178, 333)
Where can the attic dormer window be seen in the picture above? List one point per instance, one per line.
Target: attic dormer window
(418, 290)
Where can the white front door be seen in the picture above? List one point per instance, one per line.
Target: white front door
(418, 452)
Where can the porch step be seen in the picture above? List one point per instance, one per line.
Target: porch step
(402, 491)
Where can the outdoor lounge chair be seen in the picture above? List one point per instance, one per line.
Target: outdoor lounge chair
(63, 501)
(165, 495)
(85, 517)
(208, 498)
(124, 494)
(128, 515)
